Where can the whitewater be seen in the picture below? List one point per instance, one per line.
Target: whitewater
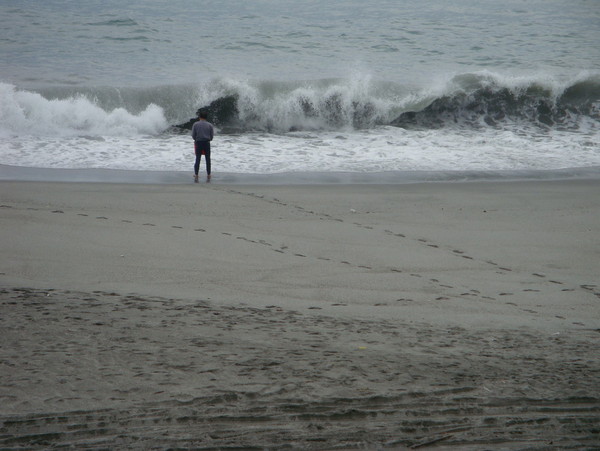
(341, 88)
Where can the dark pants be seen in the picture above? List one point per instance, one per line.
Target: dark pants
(202, 148)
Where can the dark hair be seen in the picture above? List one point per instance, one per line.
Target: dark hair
(202, 114)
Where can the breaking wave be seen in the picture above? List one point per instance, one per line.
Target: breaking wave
(485, 101)
(31, 113)
(466, 100)
(469, 100)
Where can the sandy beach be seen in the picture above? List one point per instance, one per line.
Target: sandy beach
(220, 316)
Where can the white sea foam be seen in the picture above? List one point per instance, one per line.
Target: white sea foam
(28, 113)
(372, 150)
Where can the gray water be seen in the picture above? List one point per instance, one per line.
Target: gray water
(311, 80)
(153, 42)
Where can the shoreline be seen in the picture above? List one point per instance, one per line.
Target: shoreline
(311, 316)
(96, 175)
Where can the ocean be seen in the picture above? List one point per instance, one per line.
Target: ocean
(376, 90)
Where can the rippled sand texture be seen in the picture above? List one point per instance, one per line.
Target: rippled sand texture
(102, 369)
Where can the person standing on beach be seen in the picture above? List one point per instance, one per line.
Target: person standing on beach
(202, 132)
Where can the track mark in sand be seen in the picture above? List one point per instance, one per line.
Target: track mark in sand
(400, 235)
(307, 378)
(422, 240)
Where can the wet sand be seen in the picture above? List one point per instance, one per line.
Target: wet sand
(446, 316)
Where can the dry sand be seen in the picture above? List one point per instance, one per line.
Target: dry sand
(446, 316)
